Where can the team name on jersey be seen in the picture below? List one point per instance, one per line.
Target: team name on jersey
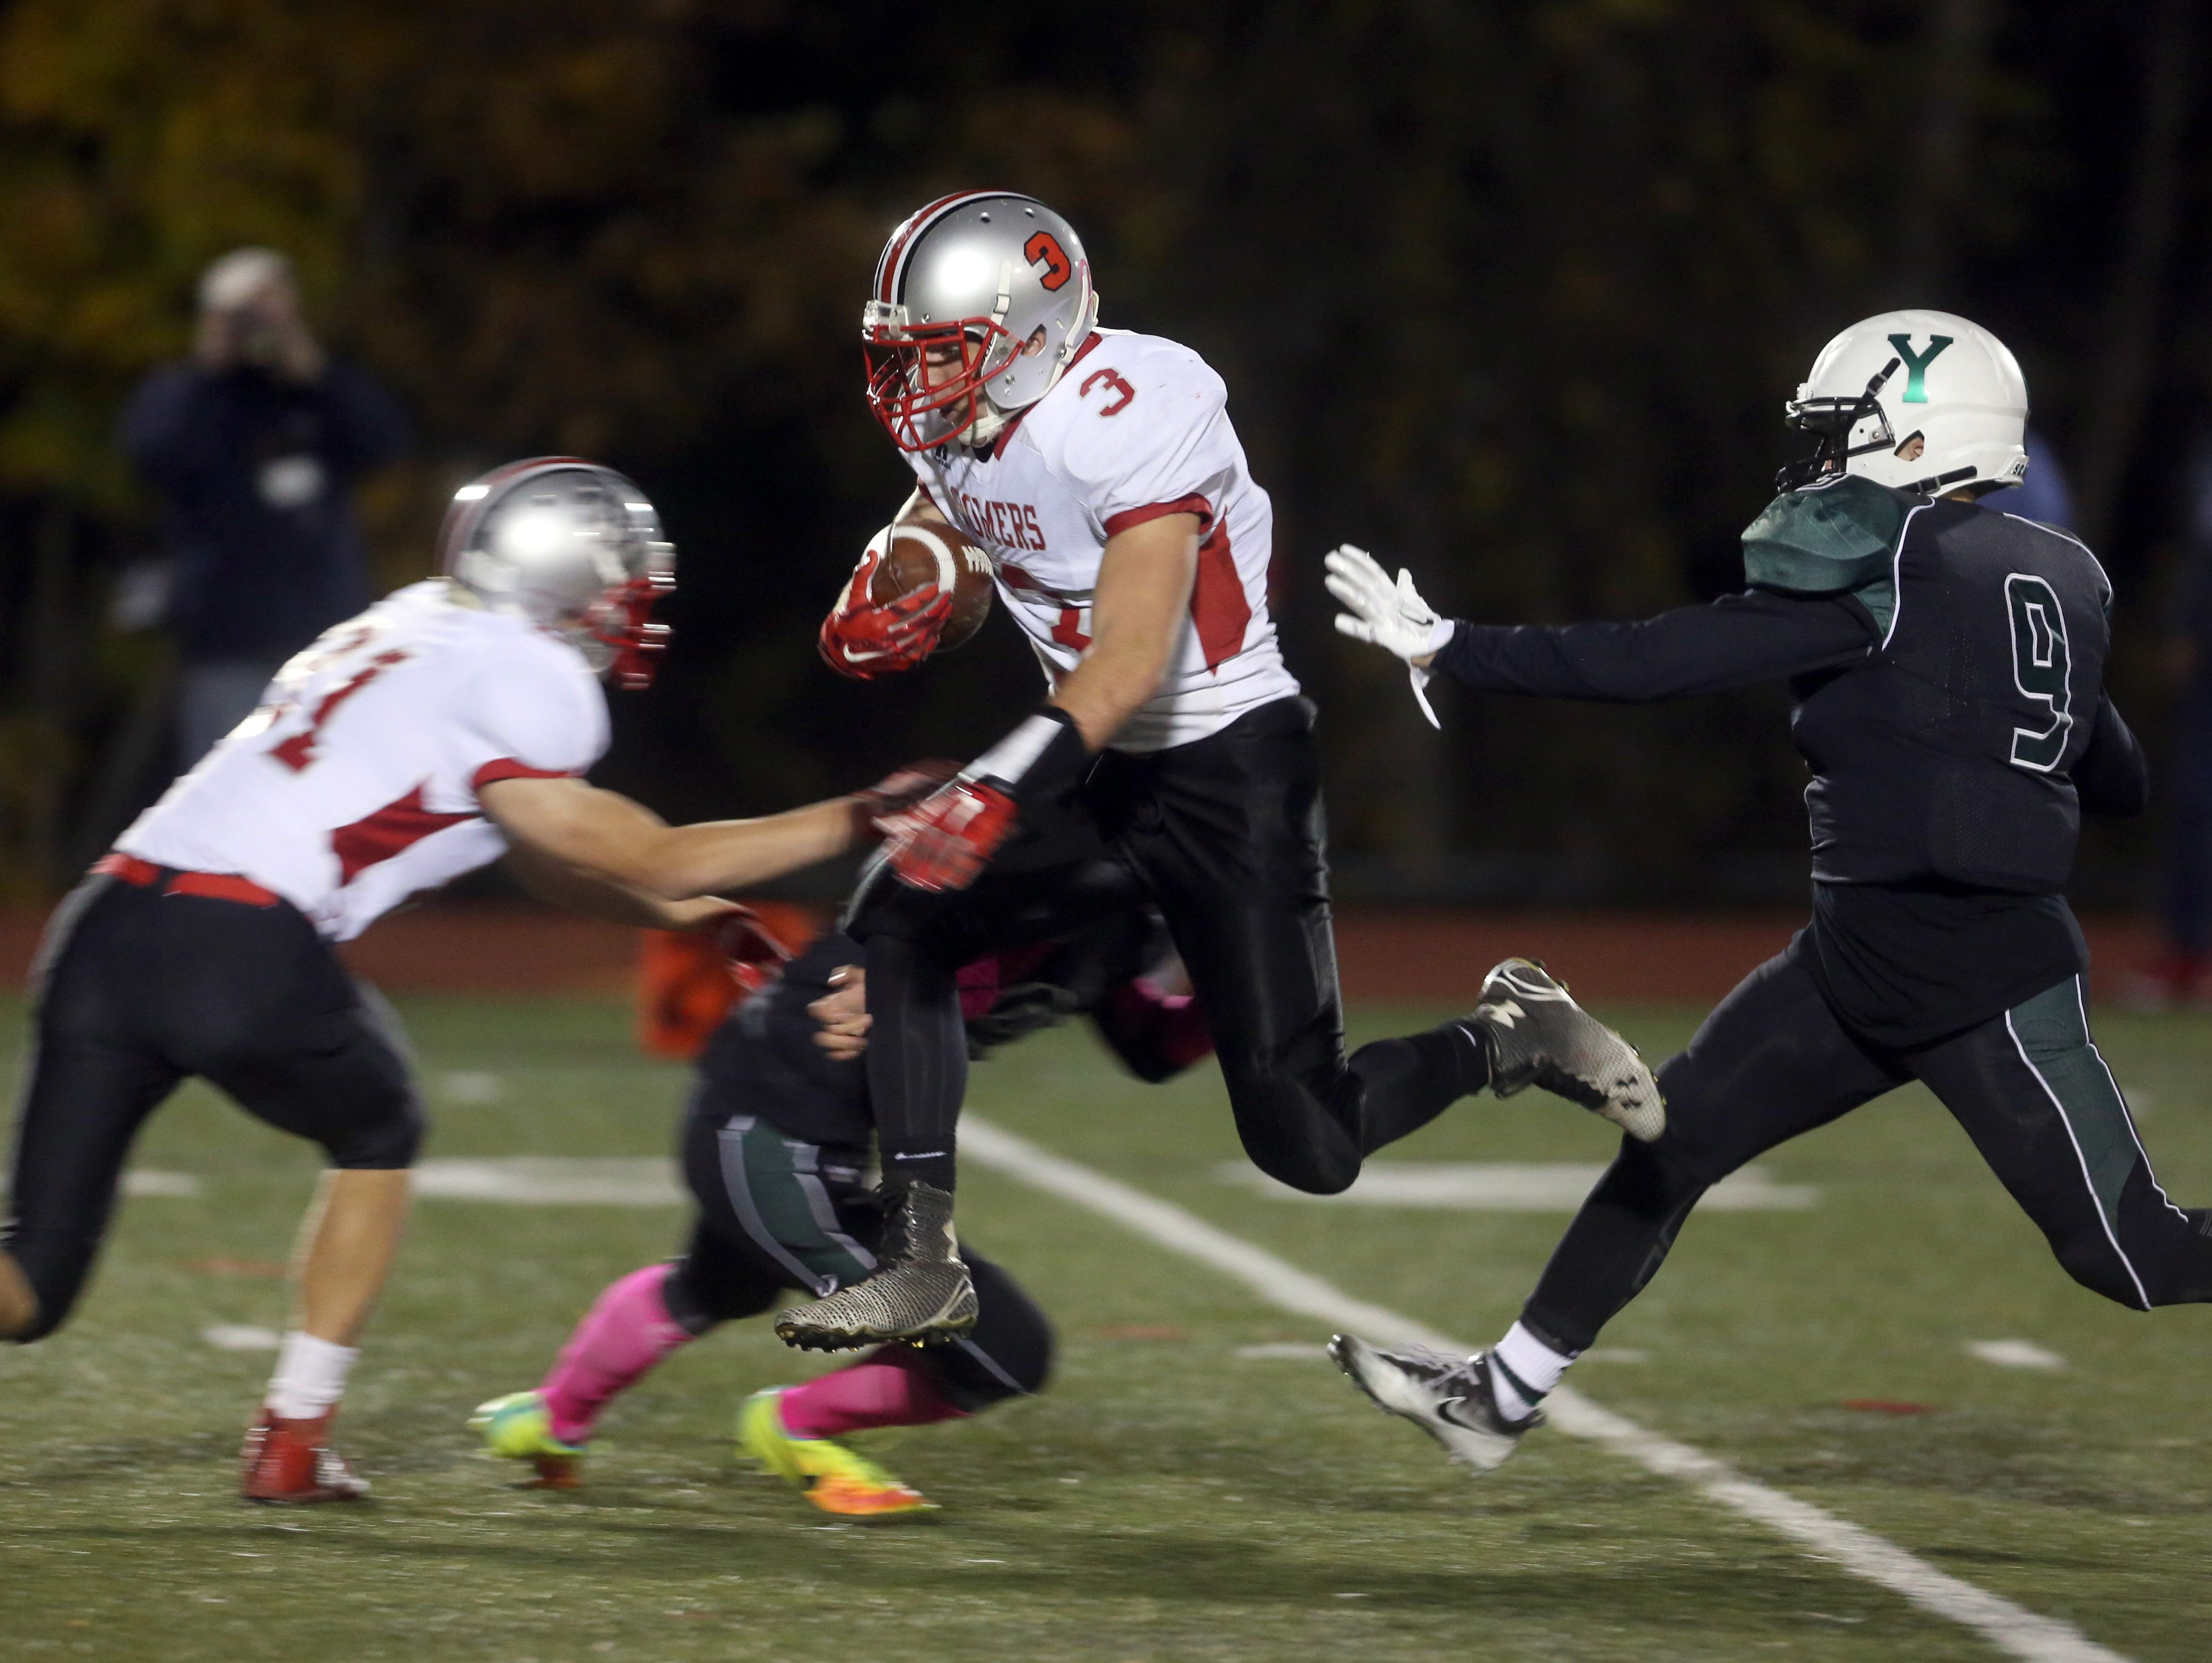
(1009, 524)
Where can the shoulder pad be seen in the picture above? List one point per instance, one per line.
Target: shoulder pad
(1826, 539)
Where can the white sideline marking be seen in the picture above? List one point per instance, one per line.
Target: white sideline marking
(144, 1181)
(240, 1337)
(2012, 1629)
(544, 1179)
(2014, 1354)
(470, 1085)
(1284, 1350)
(1500, 1187)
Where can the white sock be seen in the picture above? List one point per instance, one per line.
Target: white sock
(1527, 1370)
(310, 1378)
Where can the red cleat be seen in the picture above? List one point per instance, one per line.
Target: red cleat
(291, 1462)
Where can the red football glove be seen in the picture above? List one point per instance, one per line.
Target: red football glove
(895, 793)
(755, 957)
(947, 841)
(864, 640)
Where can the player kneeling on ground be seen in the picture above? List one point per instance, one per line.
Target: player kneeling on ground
(448, 725)
(1946, 661)
(777, 1137)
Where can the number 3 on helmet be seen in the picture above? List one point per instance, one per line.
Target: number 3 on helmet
(962, 290)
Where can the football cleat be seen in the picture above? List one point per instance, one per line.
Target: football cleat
(822, 1469)
(1449, 1397)
(919, 1291)
(290, 1462)
(519, 1428)
(1537, 1036)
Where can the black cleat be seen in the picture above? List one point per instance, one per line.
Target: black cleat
(1449, 1397)
(921, 1291)
(1537, 1036)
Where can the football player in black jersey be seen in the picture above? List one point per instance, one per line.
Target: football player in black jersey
(778, 1133)
(1945, 664)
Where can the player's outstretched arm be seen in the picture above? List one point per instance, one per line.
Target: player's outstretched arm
(600, 835)
(558, 883)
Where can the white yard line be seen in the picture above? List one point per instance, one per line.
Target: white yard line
(2012, 1629)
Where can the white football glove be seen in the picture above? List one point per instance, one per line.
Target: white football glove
(1391, 616)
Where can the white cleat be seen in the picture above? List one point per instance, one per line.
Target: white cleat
(1448, 1398)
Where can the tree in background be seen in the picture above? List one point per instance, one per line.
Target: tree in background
(1509, 293)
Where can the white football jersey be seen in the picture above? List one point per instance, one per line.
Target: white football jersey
(355, 785)
(1136, 428)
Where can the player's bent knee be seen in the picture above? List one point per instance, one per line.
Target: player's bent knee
(1009, 1354)
(49, 1275)
(2091, 1260)
(388, 1144)
(700, 1297)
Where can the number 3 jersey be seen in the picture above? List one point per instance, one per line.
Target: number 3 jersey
(355, 785)
(1138, 427)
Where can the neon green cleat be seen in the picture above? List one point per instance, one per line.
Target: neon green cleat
(827, 1474)
(518, 1427)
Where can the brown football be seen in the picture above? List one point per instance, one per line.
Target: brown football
(925, 551)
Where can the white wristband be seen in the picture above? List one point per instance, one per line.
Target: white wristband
(1016, 754)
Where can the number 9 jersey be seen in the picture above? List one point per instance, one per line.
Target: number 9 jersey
(1950, 752)
(355, 785)
(1137, 428)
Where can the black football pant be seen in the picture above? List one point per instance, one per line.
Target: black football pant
(1225, 836)
(778, 1213)
(1773, 1060)
(139, 990)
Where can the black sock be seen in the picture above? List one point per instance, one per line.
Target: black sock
(1409, 1082)
(917, 1062)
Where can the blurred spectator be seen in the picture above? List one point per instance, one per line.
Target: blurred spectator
(2188, 777)
(2043, 496)
(256, 445)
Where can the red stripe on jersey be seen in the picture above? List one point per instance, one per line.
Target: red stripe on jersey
(1121, 522)
(392, 829)
(508, 768)
(1090, 345)
(1218, 605)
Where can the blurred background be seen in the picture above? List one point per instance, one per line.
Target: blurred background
(1509, 293)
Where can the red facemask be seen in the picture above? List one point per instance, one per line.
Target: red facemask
(905, 401)
(622, 618)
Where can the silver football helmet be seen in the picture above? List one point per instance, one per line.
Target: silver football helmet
(575, 547)
(962, 290)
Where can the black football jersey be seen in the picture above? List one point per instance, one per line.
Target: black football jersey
(1948, 751)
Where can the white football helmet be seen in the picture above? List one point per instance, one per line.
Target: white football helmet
(1903, 375)
(979, 272)
(575, 547)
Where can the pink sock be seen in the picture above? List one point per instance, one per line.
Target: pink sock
(621, 1337)
(889, 1386)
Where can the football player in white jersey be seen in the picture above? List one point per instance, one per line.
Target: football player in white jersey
(1101, 471)
(448, 725)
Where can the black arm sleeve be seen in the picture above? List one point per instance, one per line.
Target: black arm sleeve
(2113, 776)
(1737, 641)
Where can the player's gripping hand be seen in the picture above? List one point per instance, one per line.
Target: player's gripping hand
(944, 841)
(863, 639)
(754, 955)
(1391, 616)
(897, 793)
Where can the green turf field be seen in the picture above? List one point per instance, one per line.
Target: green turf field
(1171, 1498)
